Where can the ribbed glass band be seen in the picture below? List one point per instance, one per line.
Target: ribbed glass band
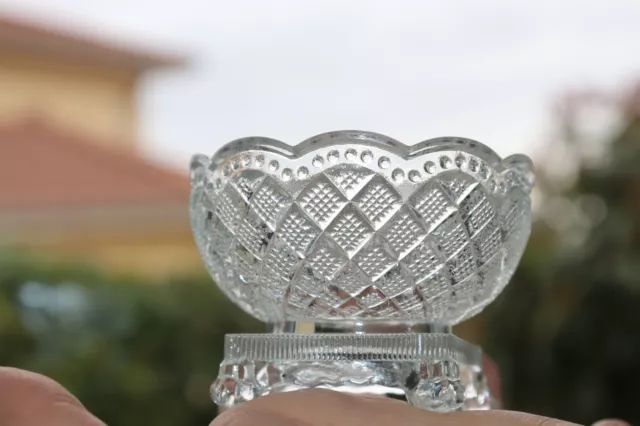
(334, 347)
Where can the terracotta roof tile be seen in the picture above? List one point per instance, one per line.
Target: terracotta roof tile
(18, 34)
(44, 168)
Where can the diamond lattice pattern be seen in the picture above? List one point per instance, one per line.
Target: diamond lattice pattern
(349, 246)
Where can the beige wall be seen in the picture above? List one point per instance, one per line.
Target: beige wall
(154, 255)
(152, 241)
(95, 101)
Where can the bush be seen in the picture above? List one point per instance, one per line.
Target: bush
(133, 352)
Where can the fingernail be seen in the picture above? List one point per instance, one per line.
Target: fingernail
(611, 422)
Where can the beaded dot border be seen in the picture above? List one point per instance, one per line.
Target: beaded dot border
(366, 157)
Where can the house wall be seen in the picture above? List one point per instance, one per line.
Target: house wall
(96, 104)
(156, 254)
(90, 100)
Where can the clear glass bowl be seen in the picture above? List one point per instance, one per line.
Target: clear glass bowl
(355, 227)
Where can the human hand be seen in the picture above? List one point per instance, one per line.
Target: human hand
(318, 407)
(29, 399)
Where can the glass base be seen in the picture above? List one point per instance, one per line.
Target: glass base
(434, 371)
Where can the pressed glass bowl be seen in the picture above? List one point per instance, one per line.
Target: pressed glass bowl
(356, 228)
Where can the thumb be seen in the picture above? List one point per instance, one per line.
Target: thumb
(30, 399)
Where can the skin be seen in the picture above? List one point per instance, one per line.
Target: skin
(29, 399)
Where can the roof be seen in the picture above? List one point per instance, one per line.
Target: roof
(19, 35)
(42, 168)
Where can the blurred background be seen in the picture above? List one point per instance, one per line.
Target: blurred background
(102, 103)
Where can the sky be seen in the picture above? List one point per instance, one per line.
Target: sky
(413, 70)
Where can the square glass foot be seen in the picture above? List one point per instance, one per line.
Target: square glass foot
(433, 371)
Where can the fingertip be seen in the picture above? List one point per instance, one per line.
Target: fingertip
(28, 398)
(312, 407)
(611, 422)
(240, 417)
(10, 376)
(317, 407)
(492, 373)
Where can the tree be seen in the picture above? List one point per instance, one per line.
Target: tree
(571, 345)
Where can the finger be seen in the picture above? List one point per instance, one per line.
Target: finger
(30, 399)
(318, 407)
(611, 422)
(492, 373)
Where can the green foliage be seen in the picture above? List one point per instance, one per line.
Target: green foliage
(565, 331)
(133, 352)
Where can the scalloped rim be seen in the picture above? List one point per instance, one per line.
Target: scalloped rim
(369, 139)
(518, 163)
